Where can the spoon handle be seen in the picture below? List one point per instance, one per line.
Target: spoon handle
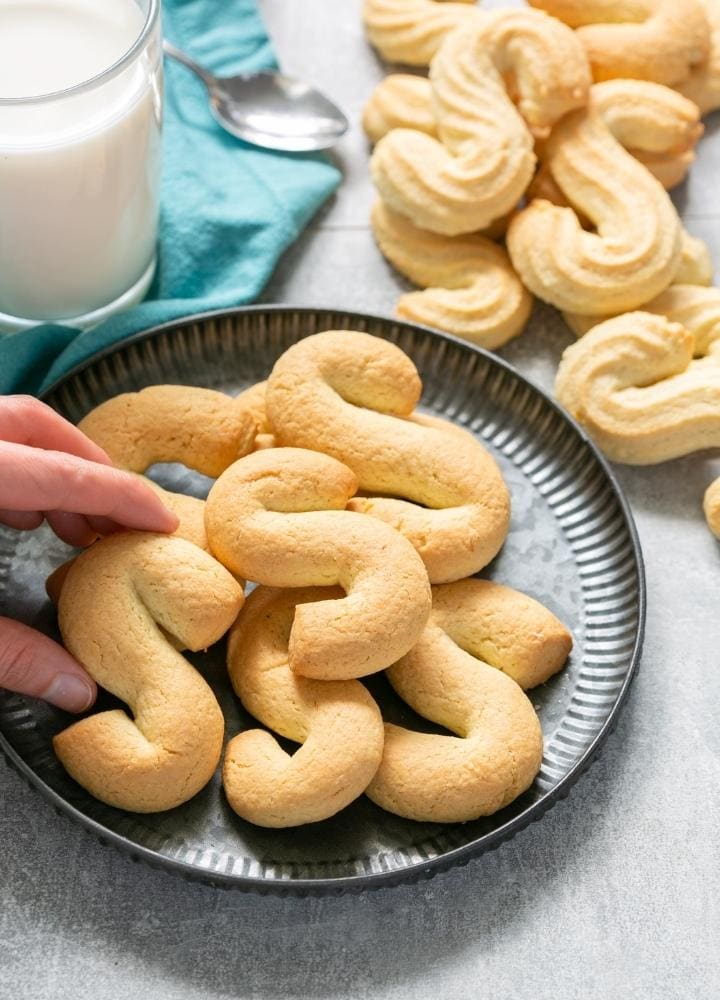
(170, 50)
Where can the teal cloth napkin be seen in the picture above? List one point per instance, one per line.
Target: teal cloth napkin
(228, 210)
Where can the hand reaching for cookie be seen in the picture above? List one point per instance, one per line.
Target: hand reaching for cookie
(50, 471)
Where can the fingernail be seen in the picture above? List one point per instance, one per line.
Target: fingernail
(70, 692)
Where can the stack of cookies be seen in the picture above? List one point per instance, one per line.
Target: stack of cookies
(361, 522)
(558, 130)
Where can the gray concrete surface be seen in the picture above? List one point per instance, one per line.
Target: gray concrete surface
(614, 893)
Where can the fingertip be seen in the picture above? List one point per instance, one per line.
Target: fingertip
(141, 507)
(71, 692)
(160, 517)
(35, 665)
(171, 521)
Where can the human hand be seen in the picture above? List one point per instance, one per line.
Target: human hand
(50, 471)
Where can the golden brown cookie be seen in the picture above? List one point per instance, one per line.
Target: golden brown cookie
(636, 249)
(654, 124)
(660, 40)
(190, 512)
(696, 266)
(482, 645)
(200, 428)
(482, 161)
(350, 395)
(337, 722)
(191, 516)
(252, 401)
(278, 517)
(658, 126)
(116, 598)
(703, 84)
(399, 101)
(633, 384)
(693, 306)
(411, 31)
(404, 101)
(470, 288)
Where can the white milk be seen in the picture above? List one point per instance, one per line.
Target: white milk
(79, 174)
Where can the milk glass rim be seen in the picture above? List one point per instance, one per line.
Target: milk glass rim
(107, 74)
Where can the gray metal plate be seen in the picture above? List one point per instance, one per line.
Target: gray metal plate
(572, 545)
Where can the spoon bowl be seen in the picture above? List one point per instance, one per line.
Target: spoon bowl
(277, 111)
(270, 109)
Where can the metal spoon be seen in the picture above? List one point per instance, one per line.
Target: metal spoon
(270, 109)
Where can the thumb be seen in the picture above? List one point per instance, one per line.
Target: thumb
(30, 663)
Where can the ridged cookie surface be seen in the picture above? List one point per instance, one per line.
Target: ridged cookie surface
(470, 288)
(635, 250)
(634, 384)
(411, 31)
(660, 40)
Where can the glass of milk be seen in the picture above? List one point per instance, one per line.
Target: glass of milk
(80, 115)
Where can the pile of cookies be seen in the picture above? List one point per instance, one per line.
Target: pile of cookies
(559, 130)
(361, 522)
